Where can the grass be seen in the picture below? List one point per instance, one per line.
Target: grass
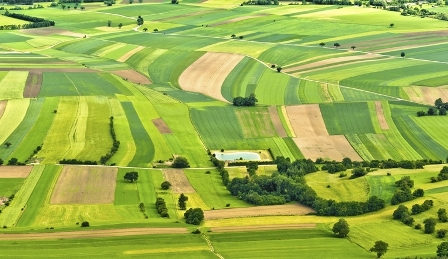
(381, 186)
(9, 186)
(13, 115)
(347, 118)
(12, 85)
(256, 123)
(126, 193)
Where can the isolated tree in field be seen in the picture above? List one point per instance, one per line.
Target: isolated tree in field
(7, 144)
(194, 216)
(233, 36)
(75, 7)
(353, 47)
(380, 248)
(120, 25)
(85, 224)
(402, 54)
(391, 25)
(430, 225)
(68, 7)
(441, 213)
(241, 37)
(145, 29)
(140, 20)
(341, 228)
(131, 176)
(180, 162)
(442, 250)
(279, 69)
(441, 233)
(109, 23)
(155, 30)
(82, 8)
(321, 44)
(165, 185)
(336, 45)
(63, 7)
(182, 201)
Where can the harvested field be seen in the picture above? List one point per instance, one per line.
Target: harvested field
(277, 122)
(426, 95)
(94, 233)
(306, 120)
(2, 107)
(129, 54)
(132, 76)
(380, 116)
(15, 171)
(45, 31)
(328, 147)
(33, 84)
(72, 34)
(161, 126)
(85, 185)
(207, 74)
(274, 210)
(263, 227)
(312, 136)
(331, 61)
(36, 70)
(235, 20)
(179, 181)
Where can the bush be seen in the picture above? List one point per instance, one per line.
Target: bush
(165, 185)
(85, 224)
(441, 233)
(194, 216)
(180, 162)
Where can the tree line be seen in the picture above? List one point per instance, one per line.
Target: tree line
(115, 142)
(36, 22)
(251, 100)
(442, 176)
(403, 192)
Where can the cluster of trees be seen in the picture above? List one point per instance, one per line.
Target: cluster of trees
(115, 142)
(23, 2)
(180, 162)
(12, 161)
(131, 176)
(182, 201)
(260, 2)
(403, 192)
(194, 216)
(161, 207)
(417, 208)
(28, 18)
(402, 212)
(222, 171)
(77, 162)
(431, 112)
(251, 100)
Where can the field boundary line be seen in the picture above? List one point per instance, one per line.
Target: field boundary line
(212, 249)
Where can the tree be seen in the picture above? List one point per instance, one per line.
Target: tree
(180, 162)
(174, 1)
(131, 1)
(341, 228)
(1, 161)
(194, 216)
(155, 30)
(380, 248)
(182, 202)
(431, 111)
(85, 224)
(438, 103)
(430, 225)
(441, 213)
(109, 23)
(13, 161)
(402, 54)
(336, 45)
(145, 29)
(442, 111)
(400, 211)
(63, 7)
(441, 233)
(391, 25)
(353, 47)
(68, 7)
(321, 44)
(140, 20)
(442, 250)
(279, 69)
(165, 185)
(131, 176)
(418, 193)
(7, 144)
(233, 36)
(241, 37)
(120, 25)
(82, 8)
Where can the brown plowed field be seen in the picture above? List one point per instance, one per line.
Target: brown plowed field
(45, 31)
(179, 181)
(207, 74)
(312, 136)
(15, 171)
(426, 95)
(161, 126)
(235, 20)
(273, 210)
(275, 118)
(33, 84)
(2, 107)
(380, 116)
(85, 185)
(132, 76)
(94, 233)
(129, 54)
(263, 227)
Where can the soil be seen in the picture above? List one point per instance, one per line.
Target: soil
(179, 181)
(161, 126)
(380, 116)
(2, 107)
(327, 147)
(426, 95)
(273, 210)
(263, 227)
(132, 76)
(85, 185)
(15, 171)
(45, 31)
(129, 54)
(275, 118)
(306, 120)
(94, 233)
(33, 84)
(207, 74)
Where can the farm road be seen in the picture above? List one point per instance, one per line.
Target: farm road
(94, 233)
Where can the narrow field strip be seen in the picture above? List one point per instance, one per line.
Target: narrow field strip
(13, 84)
(15, 171)
(13, 115)
(279, 210)
(263, 227)
(380, 116)
(179, 181)
(2, 107)
(275, 118)
(77, 134)
(33, 84)
(126, 56)
(11, 215)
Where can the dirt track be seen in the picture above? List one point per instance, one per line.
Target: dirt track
(33, 84)
(275, 118)
(15, 171)
(263, 227)
(207, 74)
(274, 210)
(94, 233)
(380, 116)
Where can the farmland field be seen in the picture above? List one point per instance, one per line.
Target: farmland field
(130, 86)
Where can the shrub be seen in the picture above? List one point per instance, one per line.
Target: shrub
(165, 185)
(180, 162)
(85, 224)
